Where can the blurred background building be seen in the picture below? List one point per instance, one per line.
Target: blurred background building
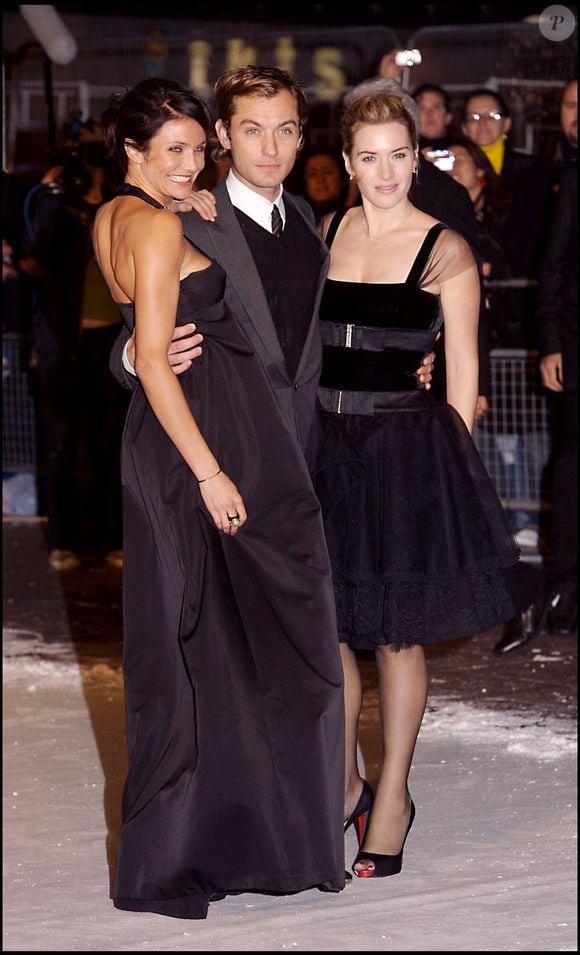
(495, 45)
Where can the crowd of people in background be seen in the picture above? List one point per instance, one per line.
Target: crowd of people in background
(72, 323)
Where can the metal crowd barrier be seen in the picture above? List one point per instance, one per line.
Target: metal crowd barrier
(18, 417)
(514, 438)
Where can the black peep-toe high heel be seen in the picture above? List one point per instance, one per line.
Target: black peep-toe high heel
(359, 815)
(384, 864)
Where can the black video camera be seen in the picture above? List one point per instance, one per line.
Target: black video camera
(74, 179)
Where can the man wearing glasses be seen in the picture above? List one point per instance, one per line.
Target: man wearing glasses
(487, 123)
(527, 181)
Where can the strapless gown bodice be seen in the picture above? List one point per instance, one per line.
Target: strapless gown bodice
(201, 299)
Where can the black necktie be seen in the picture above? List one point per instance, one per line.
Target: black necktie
(276, 222)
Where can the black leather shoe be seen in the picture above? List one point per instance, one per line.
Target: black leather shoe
(522, 629)
(563, 614)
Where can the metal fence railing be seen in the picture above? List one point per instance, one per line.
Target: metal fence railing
(514, 438)
(18, 417)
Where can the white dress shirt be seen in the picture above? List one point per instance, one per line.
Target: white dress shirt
(252, 203)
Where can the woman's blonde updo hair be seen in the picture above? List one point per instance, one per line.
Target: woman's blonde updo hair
(373, 110)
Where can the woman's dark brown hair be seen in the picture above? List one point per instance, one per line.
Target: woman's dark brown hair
(137, 115)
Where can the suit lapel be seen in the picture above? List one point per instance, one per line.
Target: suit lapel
(231, 247)
(313, 332)
(225, 241)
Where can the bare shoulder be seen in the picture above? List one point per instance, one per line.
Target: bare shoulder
(162, 220)
(346, 217)
(453, 243)
(149, 228)
(103, 214)
(420, 221)
(453, 258)
(324, 224)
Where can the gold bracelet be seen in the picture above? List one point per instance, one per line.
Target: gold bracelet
(210, 476)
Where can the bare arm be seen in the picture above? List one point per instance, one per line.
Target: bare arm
(460, 304)
(157, 268)
(185, 345)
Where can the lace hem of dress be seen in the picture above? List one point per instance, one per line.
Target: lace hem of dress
(406, 613)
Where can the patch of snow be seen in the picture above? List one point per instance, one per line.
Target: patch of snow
(525, 734)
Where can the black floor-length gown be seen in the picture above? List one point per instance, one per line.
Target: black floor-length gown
(232, 673)
(418, 539)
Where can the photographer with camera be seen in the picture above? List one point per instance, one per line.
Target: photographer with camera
(78, 408)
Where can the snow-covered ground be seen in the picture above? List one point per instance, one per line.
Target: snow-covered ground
(490, 864)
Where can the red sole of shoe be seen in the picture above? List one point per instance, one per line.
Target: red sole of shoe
(360, 826)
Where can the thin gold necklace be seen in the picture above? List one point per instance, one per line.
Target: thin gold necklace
(377, 239)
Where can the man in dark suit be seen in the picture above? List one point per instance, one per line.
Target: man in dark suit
(567, 145)
(557, 317)
(272, 289)
(549, 600)
(526, 179)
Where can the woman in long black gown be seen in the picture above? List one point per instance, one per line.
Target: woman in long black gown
(232, 671)
(417, 537)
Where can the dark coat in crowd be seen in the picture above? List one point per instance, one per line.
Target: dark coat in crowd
(528, 180)
(557, 308)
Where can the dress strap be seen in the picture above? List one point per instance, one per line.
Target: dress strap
(424, 253)
(126, 189)
(333, 227)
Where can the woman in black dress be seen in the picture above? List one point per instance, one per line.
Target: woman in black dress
(417, 537)
(232, 671)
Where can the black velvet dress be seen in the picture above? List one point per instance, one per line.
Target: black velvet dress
(418, 538)
(232, 672)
